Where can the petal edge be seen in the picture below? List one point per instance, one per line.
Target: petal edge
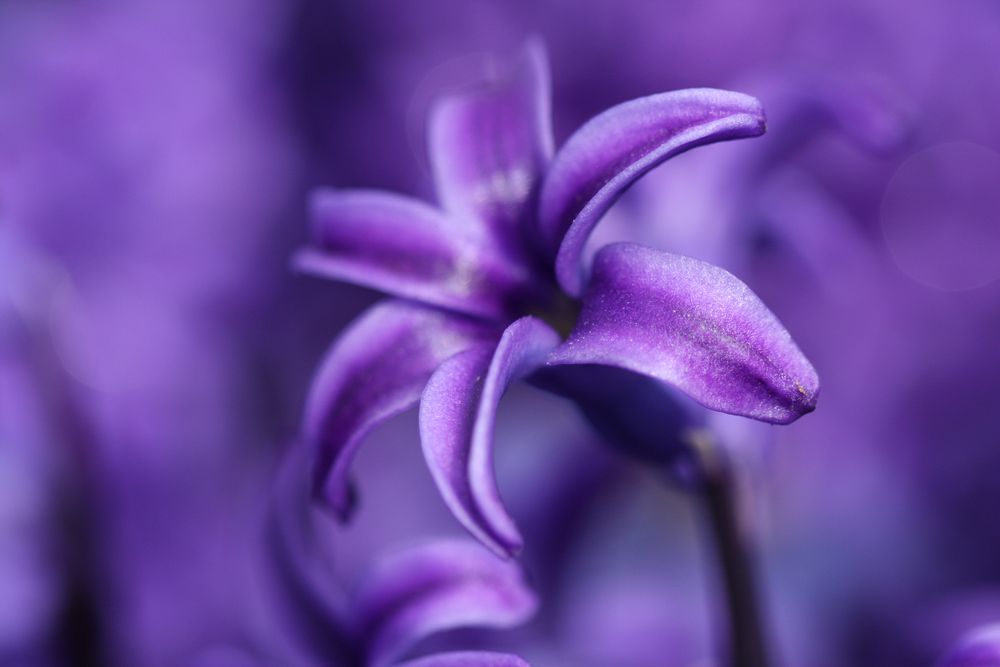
(611, 151)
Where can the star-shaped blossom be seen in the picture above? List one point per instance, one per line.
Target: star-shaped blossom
(492, 287)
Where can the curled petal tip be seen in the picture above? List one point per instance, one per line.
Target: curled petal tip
(374, 371)
(602, 159)
(695, 326)
(457, 413)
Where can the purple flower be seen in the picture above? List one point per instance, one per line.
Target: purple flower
(493, 287)
(406, 597)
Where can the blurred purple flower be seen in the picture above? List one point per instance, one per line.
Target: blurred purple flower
(507, 252)
(407, 596)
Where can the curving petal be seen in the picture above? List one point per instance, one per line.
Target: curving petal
(489, 147)
(457, 413)
(438, 586)
(693, 325)
(376, 369)
(467, 659)
(406, 248)
(610, 152)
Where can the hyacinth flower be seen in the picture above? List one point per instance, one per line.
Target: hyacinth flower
(492, 288)
(407, 596)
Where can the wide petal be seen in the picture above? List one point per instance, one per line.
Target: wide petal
(467, 659)
(693, 325)
(604, 157)
(442, 585)
(406, 248)
(490, 146)
(375, 370)
(457, 413)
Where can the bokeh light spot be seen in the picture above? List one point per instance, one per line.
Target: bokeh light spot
(941, 216)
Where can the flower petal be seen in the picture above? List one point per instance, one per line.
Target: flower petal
(636, 414)
(299, 571)
(694, 325)
(604, 157)
(490, 147)
(406, 248)
(457, 413)
(467, 659)
(441, 585)
(375, 370)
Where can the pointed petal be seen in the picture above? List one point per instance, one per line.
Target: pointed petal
(693, 325)
(604, 157)
(490, 147)
(438, 586)
(467, 659)
(403, 247)
(457, 413)
(375, 370)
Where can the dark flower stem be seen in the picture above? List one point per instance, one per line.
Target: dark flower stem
(720, 497)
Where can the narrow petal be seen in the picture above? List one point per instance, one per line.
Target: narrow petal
(468, 659)
(490, 147)
(442, 585)
(693, 325)
(404, 247)
(457, 413)
(375, 370)
(604, 157)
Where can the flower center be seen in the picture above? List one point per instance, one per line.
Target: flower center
(561, 313)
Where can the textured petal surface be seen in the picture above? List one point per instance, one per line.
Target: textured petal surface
(404, 247)
(439, 586)
(467, 659)
(610, 152)
(489, 147)
(375, 370)
(457, 414)
(694, 325)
